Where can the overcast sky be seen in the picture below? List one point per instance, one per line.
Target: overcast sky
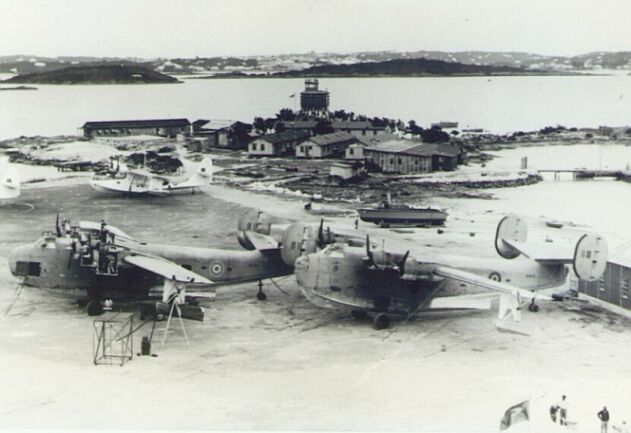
(188, 28)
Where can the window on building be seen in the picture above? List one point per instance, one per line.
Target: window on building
(400, 161)
(391, 160)
(262, 146)
(363, 132)
(351, 151)
(374, 132)
(624, 289)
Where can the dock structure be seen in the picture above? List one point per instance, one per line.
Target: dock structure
(583, 173)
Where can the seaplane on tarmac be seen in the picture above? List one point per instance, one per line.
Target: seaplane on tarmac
(387, 284)
(138, 182)
(9, 181)
(102, 263)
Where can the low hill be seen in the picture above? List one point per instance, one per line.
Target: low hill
(402, 67)
(95, 74)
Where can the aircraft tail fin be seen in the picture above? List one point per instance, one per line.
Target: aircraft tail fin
(9, 181)
(204, 173)
(590, 257)
(511, 228)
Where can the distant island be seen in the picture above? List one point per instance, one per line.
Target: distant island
(96, 74)
(397, 68)
(18, 88)
(401, 67)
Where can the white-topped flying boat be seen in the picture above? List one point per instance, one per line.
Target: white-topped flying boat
(9, 181)
(140, 182)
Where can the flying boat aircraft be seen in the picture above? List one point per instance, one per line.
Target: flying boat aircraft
(101, 262)
(391, 284)
(9, 181)
(138, 182)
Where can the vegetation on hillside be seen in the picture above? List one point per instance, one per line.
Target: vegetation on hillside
(401, 67)
(96, 74)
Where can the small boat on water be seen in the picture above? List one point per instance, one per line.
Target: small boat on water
(387, 214)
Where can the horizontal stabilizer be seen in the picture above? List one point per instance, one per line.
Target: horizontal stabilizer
(260, 241)
(166, 269)
(550, 253)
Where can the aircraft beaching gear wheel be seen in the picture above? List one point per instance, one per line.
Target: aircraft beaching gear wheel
(94, 308)
(261, 295)
(533, 307)
(382, 321)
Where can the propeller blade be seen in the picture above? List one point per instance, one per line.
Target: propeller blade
(369, 254)
(57, 228)
(321, 241)
(401, 263)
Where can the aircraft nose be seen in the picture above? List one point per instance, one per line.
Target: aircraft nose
(301, 266)
(13, 260)
(14, 256)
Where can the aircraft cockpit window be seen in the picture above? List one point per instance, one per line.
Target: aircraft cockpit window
(28, 269)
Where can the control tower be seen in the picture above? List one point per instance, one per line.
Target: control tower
(313, 101)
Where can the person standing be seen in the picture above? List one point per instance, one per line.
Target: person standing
(603, 416)
(562, 406)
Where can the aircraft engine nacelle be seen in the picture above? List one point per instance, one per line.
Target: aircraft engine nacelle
(256, 221)
(590, 257)
(298, 239)
(511, 227)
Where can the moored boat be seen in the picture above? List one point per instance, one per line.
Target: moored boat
(387, 214)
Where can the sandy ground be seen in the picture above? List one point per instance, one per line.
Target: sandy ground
(285, 364)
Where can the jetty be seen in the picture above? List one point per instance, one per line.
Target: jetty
(583, 173)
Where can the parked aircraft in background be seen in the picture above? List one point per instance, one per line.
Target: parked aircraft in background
(139, 182)
(369, 280)
(9, 181)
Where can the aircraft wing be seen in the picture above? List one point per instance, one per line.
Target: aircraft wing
(512, 298)
(165, 268)
(262, 242)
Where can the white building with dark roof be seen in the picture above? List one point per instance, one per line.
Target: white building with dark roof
(280, 144)
(322, 146)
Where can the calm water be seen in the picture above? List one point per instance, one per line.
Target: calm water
(602, 204)
(497, 104)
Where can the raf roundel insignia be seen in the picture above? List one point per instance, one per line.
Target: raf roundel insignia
(216, 268)
(495, 276)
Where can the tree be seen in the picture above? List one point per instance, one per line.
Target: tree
(434, 135)
(323, 127)
(260, 124)
(279, 127)
(286, 114)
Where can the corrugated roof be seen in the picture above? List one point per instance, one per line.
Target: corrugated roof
(151, 123)
(403, 147)
(332, 138)
(281, 137)
(354, 124)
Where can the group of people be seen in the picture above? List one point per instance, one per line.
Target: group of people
(558, 413)
(84, 246)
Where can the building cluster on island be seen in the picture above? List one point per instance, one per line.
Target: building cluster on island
(357, 143)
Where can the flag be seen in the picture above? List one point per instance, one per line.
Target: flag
(515, 414)
(292, 95)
